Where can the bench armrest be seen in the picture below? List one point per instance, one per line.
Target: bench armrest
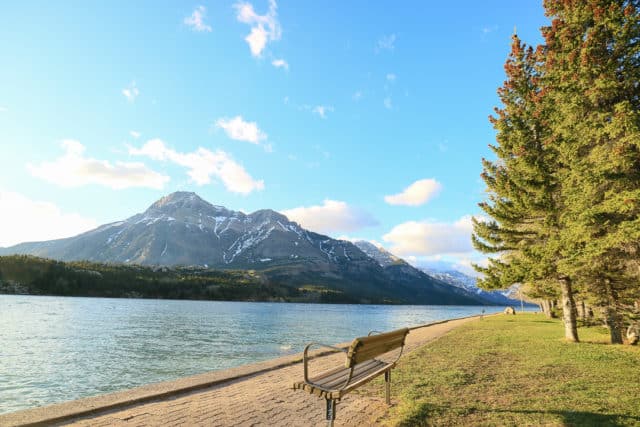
(305, 357)
(373, 332)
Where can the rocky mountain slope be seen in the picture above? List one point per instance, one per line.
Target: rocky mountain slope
(183, 229)
(400, 271)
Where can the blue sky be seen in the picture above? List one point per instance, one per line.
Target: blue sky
(357, 119)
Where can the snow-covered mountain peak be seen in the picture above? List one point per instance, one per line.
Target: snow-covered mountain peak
(382, 256)
(268, 215)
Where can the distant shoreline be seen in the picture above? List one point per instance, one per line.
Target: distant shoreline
(29, 275)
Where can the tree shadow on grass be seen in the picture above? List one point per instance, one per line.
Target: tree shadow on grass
(423, 414)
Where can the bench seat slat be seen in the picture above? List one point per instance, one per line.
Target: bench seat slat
(358, 371)
(330, 391)
(328, 376)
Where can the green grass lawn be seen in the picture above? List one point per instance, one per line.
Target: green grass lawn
(517, 370)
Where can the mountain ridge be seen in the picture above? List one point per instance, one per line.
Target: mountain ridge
(184, 229)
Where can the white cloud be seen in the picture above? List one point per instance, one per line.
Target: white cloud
(135, 134)
(391, 77)
(240, 130)
(131, 92)
(386, 43)
(387, 103)
(196, 20)
(332, 216)
(322, 110)
(74, 170)
(426, 238)
(202, 165)
(26, 220)
(264, 28)
(280, 63)
(416, 194)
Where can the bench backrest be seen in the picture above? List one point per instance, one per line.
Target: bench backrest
(365, 348)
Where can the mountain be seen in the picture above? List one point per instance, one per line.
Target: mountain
(183, 229)
(399, 271)
(380, 255)
(461, 280)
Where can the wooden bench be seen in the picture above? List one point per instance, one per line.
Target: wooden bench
(360, 367)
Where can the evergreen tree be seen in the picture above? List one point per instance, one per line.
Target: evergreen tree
(522, 203)
(591, 80)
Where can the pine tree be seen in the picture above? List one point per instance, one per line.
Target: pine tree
(522, 201)
(591, 74)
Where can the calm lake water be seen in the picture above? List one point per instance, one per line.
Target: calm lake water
(54, 349)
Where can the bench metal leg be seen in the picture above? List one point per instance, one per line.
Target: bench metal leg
(331, 412)
(387, 386)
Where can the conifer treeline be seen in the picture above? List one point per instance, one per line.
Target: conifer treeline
(564, 192)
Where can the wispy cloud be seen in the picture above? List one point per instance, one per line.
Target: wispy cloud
(322, 110)
(357, 96)
(196, 20)
(416, 194)
(27, 220)
(240, 130)
(391, 77)
(3, 109)
(320, 150)
(73, 169)
(280, 63)
(264, 28)
(135, 134)
(131, 92)
(332, 216)
(203, 165)
(386, 42)
(388, 104)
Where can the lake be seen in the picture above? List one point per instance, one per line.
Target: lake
(54, 349)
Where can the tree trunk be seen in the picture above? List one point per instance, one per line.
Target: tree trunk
(614, 323)
(614, 319)
(582, 312)
(544, 305)
(552, 308)
(568, 311)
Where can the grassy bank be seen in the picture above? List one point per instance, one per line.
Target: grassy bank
(517, 370)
